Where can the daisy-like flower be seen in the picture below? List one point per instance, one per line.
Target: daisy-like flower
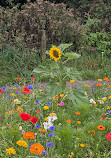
(11, 151)
(100, 127)
(55, 53)
(36, 149)
(22, 143)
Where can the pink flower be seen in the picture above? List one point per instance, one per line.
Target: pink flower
(61, 104)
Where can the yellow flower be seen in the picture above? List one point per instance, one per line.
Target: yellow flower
(16, 101)
(46, 119)
(41, 90)
(72, 81)
(109, 107)
(55, 53)
(102, 52)
(22, 143)
(52, 114)
(12, 94)
(14, 88)
(82, 145)
(100, 80)
(79, 122)
(45, 107)
(104, 98)
(110, 97)
(77, 138)
(10, 151)
(61, 95)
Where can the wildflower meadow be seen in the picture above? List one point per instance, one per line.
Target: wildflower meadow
(58, 120)
(55, 78)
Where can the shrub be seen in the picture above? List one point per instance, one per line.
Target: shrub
(24, 27)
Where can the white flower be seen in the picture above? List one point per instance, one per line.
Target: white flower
(92, 101)
(47, 124)
(100, 101)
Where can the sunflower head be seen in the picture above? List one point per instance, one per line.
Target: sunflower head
(55, 53)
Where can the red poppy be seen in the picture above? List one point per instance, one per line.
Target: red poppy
(26, 90)
(108, 136)
(1, 91)
(25, 116)
(19, 78)
(67, 83)
(103, 115)
(34, 119)
(33, 79)
(0, 117)
(37, 111)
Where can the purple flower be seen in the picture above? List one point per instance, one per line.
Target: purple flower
(29, 87)
(37, 126)
(49, 144)
(49, 102)
(61, 104)
(37, 101)
(44, 152)
(50, 134)
(17, 92)
(109, 111)
(3, 88)
(52, 128)
(29, 146)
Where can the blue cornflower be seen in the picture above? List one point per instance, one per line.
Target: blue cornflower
(29, 87)
(3, 88)
(37, 101)
(7, 96)
(17, 92)
(109, 111)
(37, 126)
(103, 96)
(50, 134)
(35, 73)
(29, 146)
(36, 157)
(16, 85)
(52, 128)
(49, 144)
(44, 152)
(49, 102)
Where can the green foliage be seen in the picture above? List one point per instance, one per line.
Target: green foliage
(59, 74)
(93, 39)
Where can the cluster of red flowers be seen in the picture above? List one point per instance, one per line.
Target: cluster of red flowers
(26, 90)
(27, 117)
(1, 91)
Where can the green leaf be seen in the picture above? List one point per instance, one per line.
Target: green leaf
(72, 55)
(62, 47)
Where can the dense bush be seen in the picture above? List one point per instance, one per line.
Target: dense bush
(24, 27)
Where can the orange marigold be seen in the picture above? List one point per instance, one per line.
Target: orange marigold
(106, 79)
(68, 121)
(99, 85)
(19, 109)
(100, 127)
(42, 130)
(77, 113)
(109, 86)
(86, 85)
(92, 132)
(29, 135)
(36, 148)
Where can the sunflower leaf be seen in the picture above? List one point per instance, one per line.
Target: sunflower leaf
(62, 47)
(72, 55)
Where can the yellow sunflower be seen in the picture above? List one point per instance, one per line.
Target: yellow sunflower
(55, 53)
